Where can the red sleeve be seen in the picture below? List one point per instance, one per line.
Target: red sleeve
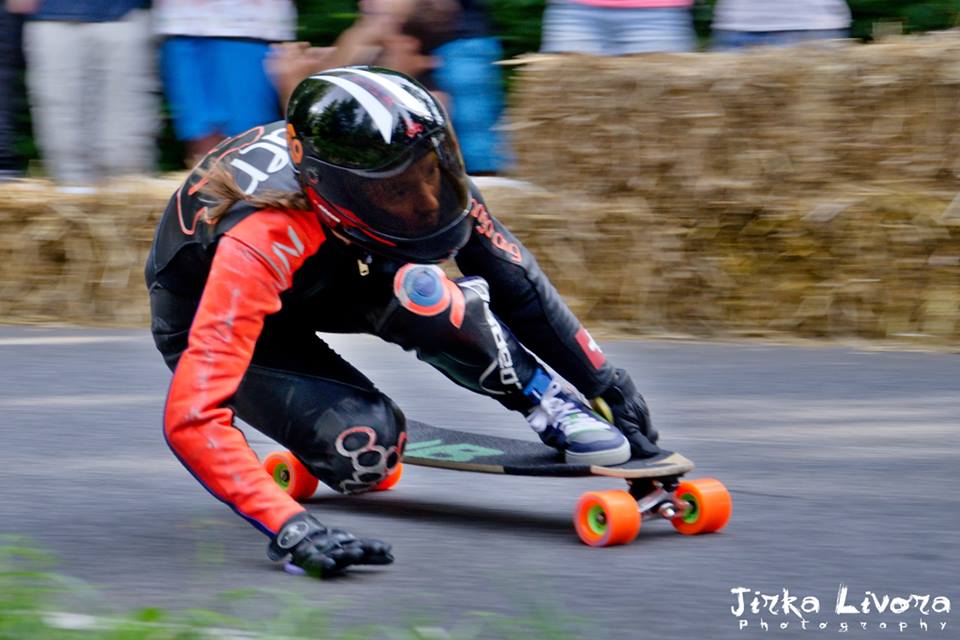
(254, 263)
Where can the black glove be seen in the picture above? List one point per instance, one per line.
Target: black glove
(629, 414)
(323, 552)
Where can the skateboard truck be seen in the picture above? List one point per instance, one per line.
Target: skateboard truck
(656, 498)
(666, 510)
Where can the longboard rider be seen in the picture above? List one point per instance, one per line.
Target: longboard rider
(335, 221)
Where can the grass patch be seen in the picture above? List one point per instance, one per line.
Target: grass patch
(38, 604)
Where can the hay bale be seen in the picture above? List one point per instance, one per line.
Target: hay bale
(872, 264)
(798, 190)
(677, 126)
(809, 191)
(77, 258)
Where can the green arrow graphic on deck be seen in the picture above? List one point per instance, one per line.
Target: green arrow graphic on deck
(459, 452)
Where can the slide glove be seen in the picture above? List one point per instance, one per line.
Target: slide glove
(324, 552)
(622, 404)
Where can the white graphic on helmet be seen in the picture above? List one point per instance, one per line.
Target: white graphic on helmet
(365, 476)
(381, 117)
(396, 90)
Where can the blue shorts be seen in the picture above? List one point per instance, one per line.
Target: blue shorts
(217, 86)
(469, 75)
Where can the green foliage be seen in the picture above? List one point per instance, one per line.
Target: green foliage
(913, 15)
(33, 601)
(321, 21)
(517, 22)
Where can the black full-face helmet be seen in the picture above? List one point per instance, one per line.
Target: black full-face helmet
(379, 162)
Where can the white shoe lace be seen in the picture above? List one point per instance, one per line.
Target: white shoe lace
(564, 414)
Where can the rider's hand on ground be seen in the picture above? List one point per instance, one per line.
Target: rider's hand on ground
(631, 415)
(321, 551)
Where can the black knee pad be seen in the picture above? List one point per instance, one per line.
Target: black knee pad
(356, 443)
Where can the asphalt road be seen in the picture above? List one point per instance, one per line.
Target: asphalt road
(843, 466)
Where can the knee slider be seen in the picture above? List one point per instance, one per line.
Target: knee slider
(436, 315)
(468, 345)
(425, 290)
(367, 445)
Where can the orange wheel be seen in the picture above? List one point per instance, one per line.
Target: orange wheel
(392, 479)
(710, 506)
(606, 518)
(290, 475)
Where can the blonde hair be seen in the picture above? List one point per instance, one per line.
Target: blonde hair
(222, 187)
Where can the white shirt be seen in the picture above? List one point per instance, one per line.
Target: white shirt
(781, 15)
(272, 20)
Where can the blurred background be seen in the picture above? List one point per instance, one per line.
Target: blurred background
(517, 24)
(728, 168)
(731, 168)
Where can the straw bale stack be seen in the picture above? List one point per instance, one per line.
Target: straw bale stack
(705, 126)
(800, 191)
(808, 192)
(77, 258)
(872, 263)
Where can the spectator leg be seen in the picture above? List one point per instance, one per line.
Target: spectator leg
(650, 30)
(727, 40)
(127, 107)
(468, 74)
(244, 85)
(788, 38)
(193, 92)
(57, 77)
(572, 28)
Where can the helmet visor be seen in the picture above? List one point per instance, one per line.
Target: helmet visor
(424, 193)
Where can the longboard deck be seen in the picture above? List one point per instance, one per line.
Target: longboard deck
(431, 446)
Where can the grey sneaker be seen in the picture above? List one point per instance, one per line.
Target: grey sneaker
(565, 423)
